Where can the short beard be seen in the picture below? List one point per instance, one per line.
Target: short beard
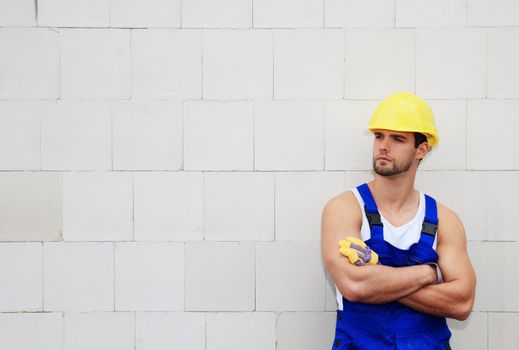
(394, 170)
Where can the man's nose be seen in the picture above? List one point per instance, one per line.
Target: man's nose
(383, 144)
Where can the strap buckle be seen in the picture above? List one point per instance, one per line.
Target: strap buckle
(373, 218)
(429, 228)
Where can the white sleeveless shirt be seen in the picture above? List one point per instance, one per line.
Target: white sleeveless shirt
(401, 237)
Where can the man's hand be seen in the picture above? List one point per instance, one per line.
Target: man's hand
(357, 252)
(455, 296)
(419, 254)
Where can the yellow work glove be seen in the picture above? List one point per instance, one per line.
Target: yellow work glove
(357, 251)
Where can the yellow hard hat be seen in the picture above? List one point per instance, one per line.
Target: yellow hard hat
(404, 111)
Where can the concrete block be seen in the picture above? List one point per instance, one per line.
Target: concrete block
(309, 64)
(149, 276)
(496, 118)
(288, 14)
(379, 62)
(423, 13)
(77, 136)
(74, 13)
(471, 333)
(451, 122)
(462, 191)
(86, 217)
(243, 70)
(352, 13)
(289, 135)
(176, 330)
(451, 63)
(218, 135)
(17, 13)
(99, 330)
(145, 13)
(305, 330)
(95, 63)
(497, 278)
(502, 330)
(30, 206)
(216, 14)
(20, 134)
(40, 330)
(300, 198)
(22, 279)
(502, 194)
(168, 206)
(279, 262)
(166, 63)
(503, 55)
(239, 206)
(147, 135)
(244, 330)
(492, 13)
(220, 277)
(29, 63)
(349, 145)
(78, 276)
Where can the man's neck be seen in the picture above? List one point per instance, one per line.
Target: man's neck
(394, 192)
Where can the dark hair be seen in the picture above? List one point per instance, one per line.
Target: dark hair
(419, 138)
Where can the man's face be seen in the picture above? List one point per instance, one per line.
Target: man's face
(393, 152)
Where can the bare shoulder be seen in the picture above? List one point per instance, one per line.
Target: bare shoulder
(343, 200)
(342, 209)
(450, 226)
(446, 213)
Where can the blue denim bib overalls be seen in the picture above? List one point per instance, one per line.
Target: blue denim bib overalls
(392, 325)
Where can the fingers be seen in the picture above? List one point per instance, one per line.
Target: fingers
(355, 244)
(356, 241)
(374, 259)
(348, 250)
(367, 256)
(359, 248)
(343, 242)
(358, 252)
(351, 254)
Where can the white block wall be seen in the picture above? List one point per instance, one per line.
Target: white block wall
(164, 163)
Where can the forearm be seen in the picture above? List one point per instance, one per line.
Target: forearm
(449, 299)
(382, 284)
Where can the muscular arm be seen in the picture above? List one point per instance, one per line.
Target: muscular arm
(341, 217)
(455, 297)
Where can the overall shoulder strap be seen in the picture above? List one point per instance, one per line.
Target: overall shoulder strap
(371, 210)
(430, 221)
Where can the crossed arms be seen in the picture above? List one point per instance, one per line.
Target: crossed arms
(412, 285)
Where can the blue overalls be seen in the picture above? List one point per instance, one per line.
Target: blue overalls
(392, 325)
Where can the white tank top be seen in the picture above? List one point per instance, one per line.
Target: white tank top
(401, 237)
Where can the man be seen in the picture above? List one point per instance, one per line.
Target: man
(424, 273)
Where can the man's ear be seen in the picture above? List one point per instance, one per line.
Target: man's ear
(423, 149)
